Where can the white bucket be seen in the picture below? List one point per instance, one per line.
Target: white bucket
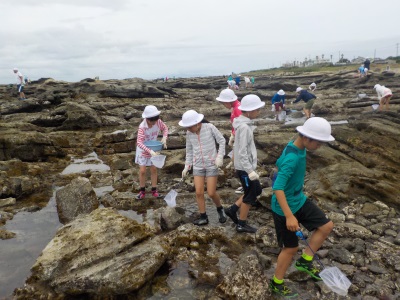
(170, 198)
(282, 115)
(375, 106)
(158, 161)
(335, 280)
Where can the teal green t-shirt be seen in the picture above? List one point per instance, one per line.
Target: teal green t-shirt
(291, 171)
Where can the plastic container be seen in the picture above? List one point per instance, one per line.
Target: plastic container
(335, 280)
(153, 145)
(375, 106)
(362, 96)
(158, 161)
(170, 198)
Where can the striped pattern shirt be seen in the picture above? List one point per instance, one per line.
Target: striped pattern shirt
(201, 150)
(145, 133)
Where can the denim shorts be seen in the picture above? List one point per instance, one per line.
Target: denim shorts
(309, 215)
(211, 172)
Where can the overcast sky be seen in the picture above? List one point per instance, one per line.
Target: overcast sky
(75, 39)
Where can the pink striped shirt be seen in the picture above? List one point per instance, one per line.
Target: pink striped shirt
(145, 133)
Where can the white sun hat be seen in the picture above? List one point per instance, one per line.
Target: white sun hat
(227, 95)
(316, 128)
(313, 84)
(190, 118)
(281, 92)
(15, 69)
(150, 111)
(251, 102)
(376, 86)
(298, 89)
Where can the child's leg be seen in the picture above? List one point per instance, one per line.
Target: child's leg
(212, 190)
(318, 237)
(142, 176)
(153, 172)
(284, 260)
(199, 186)
(387, 102)
(244, 211)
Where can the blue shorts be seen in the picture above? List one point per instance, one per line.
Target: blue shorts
(309, 215)
(252, 189)
(20, 88)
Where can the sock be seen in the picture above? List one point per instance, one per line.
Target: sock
(143, 189)
(220, 208)
(234, 208)
(241, 222)
(203, 215)
(307, 257)
(153, 189)
(276, 280)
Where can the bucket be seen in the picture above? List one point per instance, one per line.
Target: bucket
(170, 198)
(153, 145)
(282, 115)
(158, 160)
(375, 106)
(335, 280)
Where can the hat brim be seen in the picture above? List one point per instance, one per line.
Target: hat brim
(300, 129)
(200, 117)
(156, 113)
(281, 94)
(262, 104)
(225, 100)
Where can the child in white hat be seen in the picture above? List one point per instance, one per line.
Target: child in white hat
(148, 131)
(203, 158)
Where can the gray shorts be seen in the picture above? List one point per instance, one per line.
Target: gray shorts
(206, 172)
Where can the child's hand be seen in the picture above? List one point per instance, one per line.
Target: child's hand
(164, 142)
(154, 153)
(231, 140)
(253, 176)
(219, 162)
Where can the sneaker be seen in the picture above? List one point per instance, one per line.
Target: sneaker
(282, 290)
(231, 215)
(245, 228)
(200, 221)
(222, 216)
(239, 190)
(141, 195)
(308, 267)
(156, 194)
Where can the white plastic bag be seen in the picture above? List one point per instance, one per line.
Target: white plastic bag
(170, 198)
(158, 161)
(273, 107)
(335, 280)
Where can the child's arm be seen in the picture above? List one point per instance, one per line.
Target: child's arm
(291, 221)
(140, 140)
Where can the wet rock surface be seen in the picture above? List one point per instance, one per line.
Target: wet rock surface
(159, 254)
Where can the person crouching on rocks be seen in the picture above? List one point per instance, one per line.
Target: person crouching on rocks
(203, 158)
(278, 100)
(148, 131)
(291, 207)
(308, 98)
(384, 96)
(245, 154)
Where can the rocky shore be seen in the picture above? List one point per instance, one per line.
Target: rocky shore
(101, 252)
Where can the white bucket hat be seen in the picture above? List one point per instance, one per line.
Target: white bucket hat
(15, 69)
(227, 95)
(298, 89)
(251, 102)
(281, 92)
(376, 86)
(316, 128)
(150, 111)
(190, 118)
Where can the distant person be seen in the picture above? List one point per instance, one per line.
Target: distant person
(312, 87)
(237, 80)
(252, 81)
(384, 96)
(20, 84)
(148, 131)
(247, 81)
(361, 71)
(367, 63)
(308, 98)
(202, 156)
(231, 84)
(278, 100)
(291, 207)
(245, 154)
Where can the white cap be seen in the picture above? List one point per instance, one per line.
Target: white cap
(298, 89)
(313, 84)
(251, 102)
(15, 69)
(376, 86)
(281, 92)
(190, 118)
(227, 95)
(316, 128)
(150, 111)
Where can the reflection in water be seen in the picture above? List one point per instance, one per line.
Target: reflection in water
(90, 162)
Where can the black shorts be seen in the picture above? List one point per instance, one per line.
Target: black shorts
(309, 215)
(252, 189)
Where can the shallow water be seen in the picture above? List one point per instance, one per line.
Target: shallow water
(90, 162)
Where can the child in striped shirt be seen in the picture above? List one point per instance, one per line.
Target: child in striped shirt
(148, 131)
(202, 155)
